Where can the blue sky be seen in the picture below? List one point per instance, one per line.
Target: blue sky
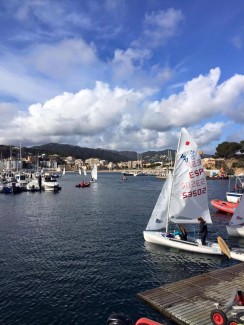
(121, 74)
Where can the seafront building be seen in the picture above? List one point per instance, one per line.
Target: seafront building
(55, 162)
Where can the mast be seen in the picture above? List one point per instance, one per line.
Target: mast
(10, 160)
(20, 157)
(168, 210)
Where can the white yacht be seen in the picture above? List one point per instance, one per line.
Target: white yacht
(49, 183)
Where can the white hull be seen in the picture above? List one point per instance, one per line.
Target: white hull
(237, 254)
(157, 237)
(51, 188)
(33, 185)
(235, 231)
(233, 197)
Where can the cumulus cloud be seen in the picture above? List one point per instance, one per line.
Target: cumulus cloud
(126, 119)
(200, 99)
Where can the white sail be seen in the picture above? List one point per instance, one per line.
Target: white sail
(79, 171)
(238, 216)
(159, 214)
(64, 171)
(188, 199)
(84, 172)
(94, 172)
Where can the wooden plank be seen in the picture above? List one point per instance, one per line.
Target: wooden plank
(190, 301)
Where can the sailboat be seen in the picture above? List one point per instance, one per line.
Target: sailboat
(236, 224)
(182, 200)
(94, 173)
(63, 171)
(79, 171)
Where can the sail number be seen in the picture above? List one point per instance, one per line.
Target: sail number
(196, 173)
(195, 183)
(194, 193)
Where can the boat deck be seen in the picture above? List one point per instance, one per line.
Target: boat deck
(190, 301)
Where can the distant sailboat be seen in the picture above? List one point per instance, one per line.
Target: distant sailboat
(64, 171)
(79, 171)
(94, 173)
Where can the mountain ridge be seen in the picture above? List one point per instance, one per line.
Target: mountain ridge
(65, 150)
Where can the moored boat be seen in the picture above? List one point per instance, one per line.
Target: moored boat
(33, 185)
(50, 184)
(224, 206)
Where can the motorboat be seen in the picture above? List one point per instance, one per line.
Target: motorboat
(50, 184)
(33, 185)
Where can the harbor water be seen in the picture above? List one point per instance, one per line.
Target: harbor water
(76, 256)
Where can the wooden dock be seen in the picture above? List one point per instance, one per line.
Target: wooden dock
(190, 301)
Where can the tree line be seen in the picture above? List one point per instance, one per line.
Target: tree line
(229, 150)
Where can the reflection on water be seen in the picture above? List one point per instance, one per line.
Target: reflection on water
(76, 256)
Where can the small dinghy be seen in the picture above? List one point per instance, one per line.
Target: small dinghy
(83, 184)
(224, 206)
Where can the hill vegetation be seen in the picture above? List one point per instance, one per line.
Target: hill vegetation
(225, 150)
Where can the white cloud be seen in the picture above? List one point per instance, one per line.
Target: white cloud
(161, 26)
(201, 98)
(125, 119)
(238, 42)
(60, 59)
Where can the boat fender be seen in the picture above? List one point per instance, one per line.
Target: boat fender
(146, 321)
(119, 319)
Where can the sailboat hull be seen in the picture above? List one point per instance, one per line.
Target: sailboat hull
(159, 238)
(190, 246)
(235, 231)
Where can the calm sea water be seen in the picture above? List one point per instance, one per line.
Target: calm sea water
(76, 256)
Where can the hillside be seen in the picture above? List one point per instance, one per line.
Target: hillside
(65, 150)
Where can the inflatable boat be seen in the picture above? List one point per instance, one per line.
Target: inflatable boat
(224, 206)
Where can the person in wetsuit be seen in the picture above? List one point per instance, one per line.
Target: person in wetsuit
(203, 230)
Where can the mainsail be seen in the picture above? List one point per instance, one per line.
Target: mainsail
(188, 199)
(94, 172)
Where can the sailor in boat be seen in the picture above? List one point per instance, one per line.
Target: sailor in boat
(203, 230)
(181, 233)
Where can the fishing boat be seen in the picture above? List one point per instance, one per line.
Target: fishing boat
(182, 200)
(224, 206)
(236, 224)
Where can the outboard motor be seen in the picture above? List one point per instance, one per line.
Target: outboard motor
(119, 319)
